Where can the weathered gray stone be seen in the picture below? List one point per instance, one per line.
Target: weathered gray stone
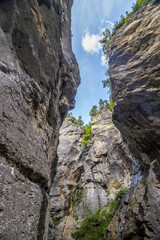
(39, 77)
(135, 72)
(91, 178)
(87, 179)
(134, 66)
(21, 204)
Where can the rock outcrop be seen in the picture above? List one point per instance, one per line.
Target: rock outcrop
(134, 66)
(134, 63)
(39, 77)
(89, 178)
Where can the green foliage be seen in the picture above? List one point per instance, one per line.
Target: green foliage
(111, 102)
(80, 121)
(102, 104)
(105, 41)
(78, 193)
(76, 218)
(114, 141)
(107, 36)
(94, 226)
(93, 112)
(87, 136)
(118, 24)
(121, 193)
(144, 181)
(107, 83)
(124, 19)
(69, 115)
(138, 4)
(56, 222)
(49, 231)
(77, 122)
(113, 205)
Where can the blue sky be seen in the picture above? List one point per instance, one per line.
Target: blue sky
(89, 18)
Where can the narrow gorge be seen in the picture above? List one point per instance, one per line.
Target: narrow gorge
(53, 184)
(88, 179)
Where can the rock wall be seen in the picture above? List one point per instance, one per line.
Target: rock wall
(39, 77)
(87, 179)
(134, 66)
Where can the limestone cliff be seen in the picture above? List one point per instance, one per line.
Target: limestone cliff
(87, 179)
(134, 63)
(39, 77)
(134, 66)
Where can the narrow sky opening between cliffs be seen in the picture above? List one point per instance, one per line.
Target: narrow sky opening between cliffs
(89, 19)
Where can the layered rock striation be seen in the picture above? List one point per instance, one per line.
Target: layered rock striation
(134, 63)
(39, 77)
(87, 179)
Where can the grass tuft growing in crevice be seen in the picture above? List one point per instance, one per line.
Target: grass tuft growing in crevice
(78, 193)
(144, 181)
(95, 225)
(56, 222)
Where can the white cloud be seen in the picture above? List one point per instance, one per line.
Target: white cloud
(106, 24)
(90, 43)
(111, 24)
(104, 62)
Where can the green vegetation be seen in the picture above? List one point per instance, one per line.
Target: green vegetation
(124, 19)
(56, 222)
(105, 41)
(77, 122)
(49, 231)
(138, 4)
(144, 181)
(107, 35)
(114, 141)
(76, 218)
(119, 195)
(102, 104)
(107, 82)
(94, 226)
(78, 198)
(87, 136)
(93, 112)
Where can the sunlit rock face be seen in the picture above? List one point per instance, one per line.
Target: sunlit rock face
(134, 63)
(39, 77)
(89, 178)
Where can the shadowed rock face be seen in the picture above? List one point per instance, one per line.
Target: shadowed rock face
(134, 61)
(87, 179)
(39, 77)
